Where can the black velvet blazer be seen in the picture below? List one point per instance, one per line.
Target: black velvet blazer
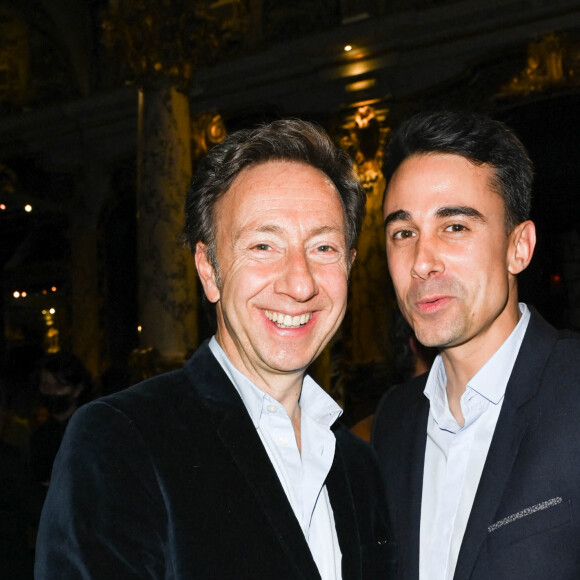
(525, 519)
(169, 479)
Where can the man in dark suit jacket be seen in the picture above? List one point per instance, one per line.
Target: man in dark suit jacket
(233, 466)
(480, 455)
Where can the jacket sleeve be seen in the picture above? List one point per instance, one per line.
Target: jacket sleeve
(104, 516)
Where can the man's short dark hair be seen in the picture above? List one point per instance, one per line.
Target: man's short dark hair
(282, 140)
(479, 139)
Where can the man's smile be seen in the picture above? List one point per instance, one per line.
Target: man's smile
(287, 321)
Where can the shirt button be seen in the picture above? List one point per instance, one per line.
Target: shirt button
(272, 408)
(282, 441)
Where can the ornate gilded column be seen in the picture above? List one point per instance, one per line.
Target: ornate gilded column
(167, 298)
(161, 41)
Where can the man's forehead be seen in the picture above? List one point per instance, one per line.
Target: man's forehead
(274, 196)
(439, 180)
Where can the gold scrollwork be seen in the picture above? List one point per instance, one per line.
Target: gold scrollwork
(162, 40)
(207, 129)
(545, 67)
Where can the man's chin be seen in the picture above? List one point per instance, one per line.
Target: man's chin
(438, 337)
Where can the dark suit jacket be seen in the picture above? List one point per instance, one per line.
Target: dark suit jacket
(169, 479)
(534, 457)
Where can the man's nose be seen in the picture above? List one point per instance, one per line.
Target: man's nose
(427, 260)
(296, 278)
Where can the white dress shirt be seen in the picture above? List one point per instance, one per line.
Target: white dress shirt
(301, 473)
(455, 456)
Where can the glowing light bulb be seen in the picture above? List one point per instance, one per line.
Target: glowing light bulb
(28, 208)
(347, 48)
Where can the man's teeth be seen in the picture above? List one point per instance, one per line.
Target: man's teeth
(287, 321)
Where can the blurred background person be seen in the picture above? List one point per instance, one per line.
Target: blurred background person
(19, 507)
(64, 385)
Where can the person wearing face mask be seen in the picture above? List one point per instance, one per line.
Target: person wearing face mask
(64, 384)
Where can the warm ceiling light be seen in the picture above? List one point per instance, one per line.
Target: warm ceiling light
(28, 208)
(53, 288)
(347, 48)
(16, 294)
(23, 294)
(2, 206)
(360, 85)
(52, 310)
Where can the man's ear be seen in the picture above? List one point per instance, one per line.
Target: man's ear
(521, 247)
(206, 273)
(352, 258)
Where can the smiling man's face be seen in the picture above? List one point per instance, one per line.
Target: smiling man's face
(450, 257)
(284, 264)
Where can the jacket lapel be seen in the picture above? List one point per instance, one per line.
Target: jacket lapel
(410, 489)
(239, 436)
(342, 502)
(519, 407)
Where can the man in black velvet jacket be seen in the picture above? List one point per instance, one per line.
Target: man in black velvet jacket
(233, 466)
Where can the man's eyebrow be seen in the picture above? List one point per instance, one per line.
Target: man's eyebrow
(399, 215)
(326, 230)
(262, 228)
(460, 210)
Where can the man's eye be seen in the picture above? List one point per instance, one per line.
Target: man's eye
(456, 228)
(325, 248)
(403, 234)
(262, 247)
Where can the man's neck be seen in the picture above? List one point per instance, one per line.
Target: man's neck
(284, 387)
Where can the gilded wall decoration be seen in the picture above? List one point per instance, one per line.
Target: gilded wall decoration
(366, 326)
(207, 130)
(552, 62)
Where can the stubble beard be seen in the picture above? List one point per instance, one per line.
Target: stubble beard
(440, 329)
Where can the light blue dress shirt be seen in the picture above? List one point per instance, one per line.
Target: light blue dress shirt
(455, 456)
(301, 473)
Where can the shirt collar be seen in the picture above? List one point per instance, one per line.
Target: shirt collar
(491, 379)
(314, 401)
